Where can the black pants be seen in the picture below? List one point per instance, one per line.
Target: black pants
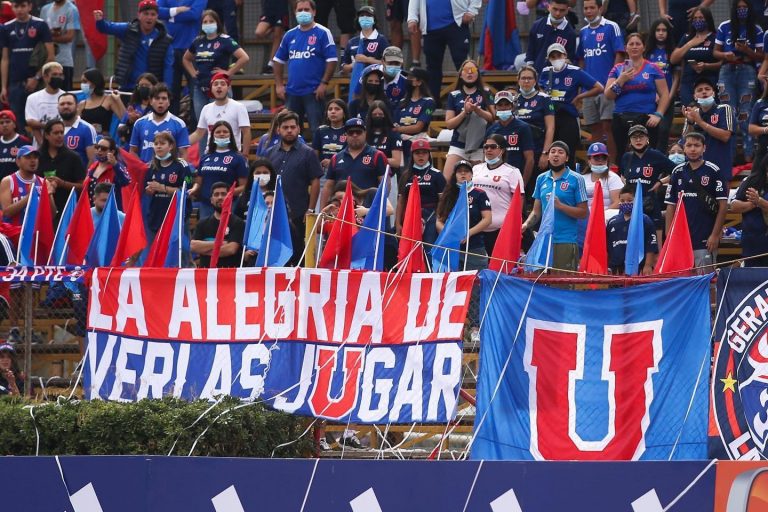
(227, 11)
(178, 73)
(489, 237)
(456, 39)
(298, 228)
(567, 130)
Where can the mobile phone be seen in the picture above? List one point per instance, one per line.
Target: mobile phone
(691, 62)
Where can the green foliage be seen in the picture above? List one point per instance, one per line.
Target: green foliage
(149, 427)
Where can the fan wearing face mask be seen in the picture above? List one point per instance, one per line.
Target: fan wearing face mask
(567, 85)
(42, 105)
(262, 175)
(548, 30)
(517, 134)
(597, 170)
(372, 90)
(221, 163)
(367, 47)
(716, 122)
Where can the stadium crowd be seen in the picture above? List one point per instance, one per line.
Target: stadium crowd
(622, 86)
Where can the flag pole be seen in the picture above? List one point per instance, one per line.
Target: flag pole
(466, 242)
(58, 228)
(64, 252)
(37, 241)
(182, 201)
(279, 183)
(24, 222)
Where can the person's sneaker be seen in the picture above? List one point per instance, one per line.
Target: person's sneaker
(267, 69)
(351, 441)
(324, 446)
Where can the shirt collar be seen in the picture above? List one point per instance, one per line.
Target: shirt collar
(562, 24)
(165, 118)
(374, 35)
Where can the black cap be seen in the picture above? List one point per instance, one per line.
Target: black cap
(367, 9)
(562, 145)
(704, 80)
(463, 163)
(418, 74)
(638, 128)
(354, 123)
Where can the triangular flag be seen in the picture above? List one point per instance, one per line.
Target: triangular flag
(104, 241)
(539, 256)
(635, 236)
(43, 244)
(158, 252)
(178, 242)
(676, 255)
(338, 249)
(132, 238)
(80, 229)
(507, 248)
(368, 243)
(226, 211)
(27, 235)
(410, 249)
(445, 254)
(255, 220)
(60, 241)
(594, 258)
(276, 244)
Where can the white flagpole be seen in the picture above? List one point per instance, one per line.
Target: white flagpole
(279, 183)
(64, 252)
(37, 241)
(58, 228)
(466, 243)
(181, 217)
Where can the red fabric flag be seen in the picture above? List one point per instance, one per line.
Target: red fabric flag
(338, 249)
(226, 211)
(159, 250)
(510, 237)
(676, 254)
(412, 230)
(132, 238)
(80, 230)
(41, 248)
(594, 257)
(96, 40)
(137, 169)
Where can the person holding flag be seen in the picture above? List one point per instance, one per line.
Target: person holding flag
(617, 232)
(204, 237)
(570, 205)
(15, 189)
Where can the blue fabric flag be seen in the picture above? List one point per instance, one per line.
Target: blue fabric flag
(455, 230)
(254, 222)
(593, 375)
(367, 244)
(276, 245)
(635, 236)
(59, 251)
(539, 256)
(174, 259)
(104, 241)
(27, 234)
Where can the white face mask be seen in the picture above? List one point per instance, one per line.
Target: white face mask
(263, 179)
(598, 169)
(558, 64)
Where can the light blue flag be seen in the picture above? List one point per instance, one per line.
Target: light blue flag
(635, 239)
(368, 244)
(178, 243)
(254, 222)
(27, 234)
(59, 250)
(104, 241)
(539, 255)
(455, 230)
(276, 246)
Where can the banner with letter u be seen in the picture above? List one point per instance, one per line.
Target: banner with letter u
(344, 345)
(618, 374)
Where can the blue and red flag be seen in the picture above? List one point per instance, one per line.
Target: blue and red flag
(60, 242)
(36, 237)
(276, 244)
(172, 239)
(104, 241)
(445, 254)
(500, 42)
(368, 243)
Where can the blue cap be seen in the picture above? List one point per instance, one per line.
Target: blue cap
(354, 123)
(597, 148)
(26, 150)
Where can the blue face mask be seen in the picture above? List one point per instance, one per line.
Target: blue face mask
(699, 25)
(504, 115)
(493, 161)
(421, 167)
(706, 102)
(599, 169)
(86, 88)
(222, 143)
(303, 18)
(365, 21)
(210, 28)
(742, 12)
(392, 70)
(626, 208)
(163, 158)
(677, 158)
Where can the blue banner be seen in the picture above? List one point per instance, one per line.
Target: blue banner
(617, 374)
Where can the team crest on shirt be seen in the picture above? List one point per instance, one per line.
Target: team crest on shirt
(512, 139)
(564, 186)
(647, 172)
(32, 31)
(372, 46)
(343, 138)
(14, 151)
(73, 141)
(312, 40)
(568, 81)
(173, 177)
(469, 200)
(228, 159)
(496, 179)
(416, 110)
(395, 91)
(533, 103)
(704, 181)
(366, 160)
(646, 76)
(714, 118)
(599, 37)
(427, 177)
(216, 45)
(62, 19)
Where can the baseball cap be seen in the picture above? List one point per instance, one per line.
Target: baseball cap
(392, 53)
(704, 80)
(504, 96)
(7, 114)
(354, 124)
(463, 163)
(367, 9)
(420, 144)
(562, 145)
(221, 76)
(638, 128)
(598, 148)
(7, 347)
(556, 47)
(147, 4)
(418, 74)
(26, 150)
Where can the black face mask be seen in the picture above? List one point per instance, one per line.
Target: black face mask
(372, 88)
(67, 116)
(143, 92)
(557, 168)
(377, 122)
(56, 82)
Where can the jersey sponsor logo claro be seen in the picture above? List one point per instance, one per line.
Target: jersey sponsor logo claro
(309, 53)
(598, 51)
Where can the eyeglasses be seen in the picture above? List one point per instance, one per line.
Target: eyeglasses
(490, 146)
(102, 148)
(470, 69)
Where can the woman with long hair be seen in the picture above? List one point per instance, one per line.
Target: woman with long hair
(372, 90)
(221, 163)
(535, 108)
(738, 44)
(468, 110)
(262, 175)
(659, 46)
(138, 106)
(11, 376)
(414, 113)
(98, 108)
(641, 93)
(108, 167)
(330, 137)
(498, 180)
(381, 134)
(751, 201)
(695, 53)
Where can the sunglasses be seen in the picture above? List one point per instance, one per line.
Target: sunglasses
(490, 146)
(102, 148)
